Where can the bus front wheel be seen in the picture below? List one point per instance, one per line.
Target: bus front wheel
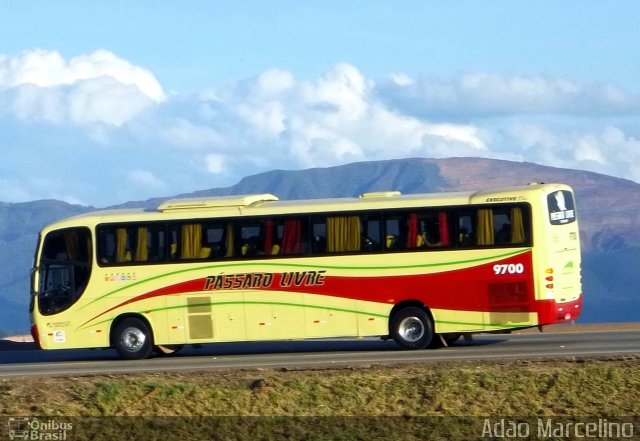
(132, 339)
(412, 328)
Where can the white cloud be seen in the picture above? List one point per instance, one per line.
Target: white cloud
(587, 148)
(530, 135)
(489, 94)
(273, 83)
(101, 110)
(30, 102)
(188, 135)
(215, 163)
(12, 190)
(334, 119)
(96, 88)
(607, 149)
(104, 100)
(267, 118)
(343, 92)
(96, 101)
(144, 178)
(337, 119)
(68, 198)
(49, 69)
(343, 117)
(401, 79)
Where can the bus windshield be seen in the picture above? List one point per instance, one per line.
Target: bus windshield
(65, 269)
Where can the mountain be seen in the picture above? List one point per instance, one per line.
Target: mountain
(609, 210)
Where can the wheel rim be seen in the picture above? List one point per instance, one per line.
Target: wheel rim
(133, 339)
(411, 329)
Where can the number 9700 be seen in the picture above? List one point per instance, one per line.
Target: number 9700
(512, 268)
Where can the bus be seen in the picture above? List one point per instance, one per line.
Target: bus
(421, 269)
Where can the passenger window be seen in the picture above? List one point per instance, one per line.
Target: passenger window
(191, 244)
(131, 243)
(510, 226)
(393, 229)
(343, 234)
(371, 233)
(466, 229)
(433, 230)
(291, 237)
(215, 241)
(501, 226)
(251, 240)
(319, 240)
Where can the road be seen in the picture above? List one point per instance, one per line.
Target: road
(22, 359)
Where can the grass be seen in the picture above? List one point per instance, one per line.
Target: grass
(520, 389)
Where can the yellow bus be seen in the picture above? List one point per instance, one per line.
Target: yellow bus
(422, 269)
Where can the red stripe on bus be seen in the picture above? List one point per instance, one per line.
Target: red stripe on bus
(500, 286)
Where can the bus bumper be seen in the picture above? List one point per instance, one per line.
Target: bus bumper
(549, 311)
(36, 336)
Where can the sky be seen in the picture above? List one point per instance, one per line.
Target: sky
(107, 102)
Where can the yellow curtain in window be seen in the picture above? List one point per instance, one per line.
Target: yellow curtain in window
(485, 227)
(343, 233)
(517, 226)
(229, 241)
(191, 241)
(142, 245)
(121, 245)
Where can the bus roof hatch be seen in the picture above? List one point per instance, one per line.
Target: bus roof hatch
(380, 194)
(215, 202)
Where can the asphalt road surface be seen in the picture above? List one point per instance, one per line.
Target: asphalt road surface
(23, 359)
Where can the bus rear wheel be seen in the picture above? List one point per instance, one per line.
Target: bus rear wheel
(132, 339)
(412, 328)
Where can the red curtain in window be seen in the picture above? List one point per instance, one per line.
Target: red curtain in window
(412, 233)
(444, 229)
(291, 237)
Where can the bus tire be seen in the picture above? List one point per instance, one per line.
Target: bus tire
(412, 328)
(133, 339)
